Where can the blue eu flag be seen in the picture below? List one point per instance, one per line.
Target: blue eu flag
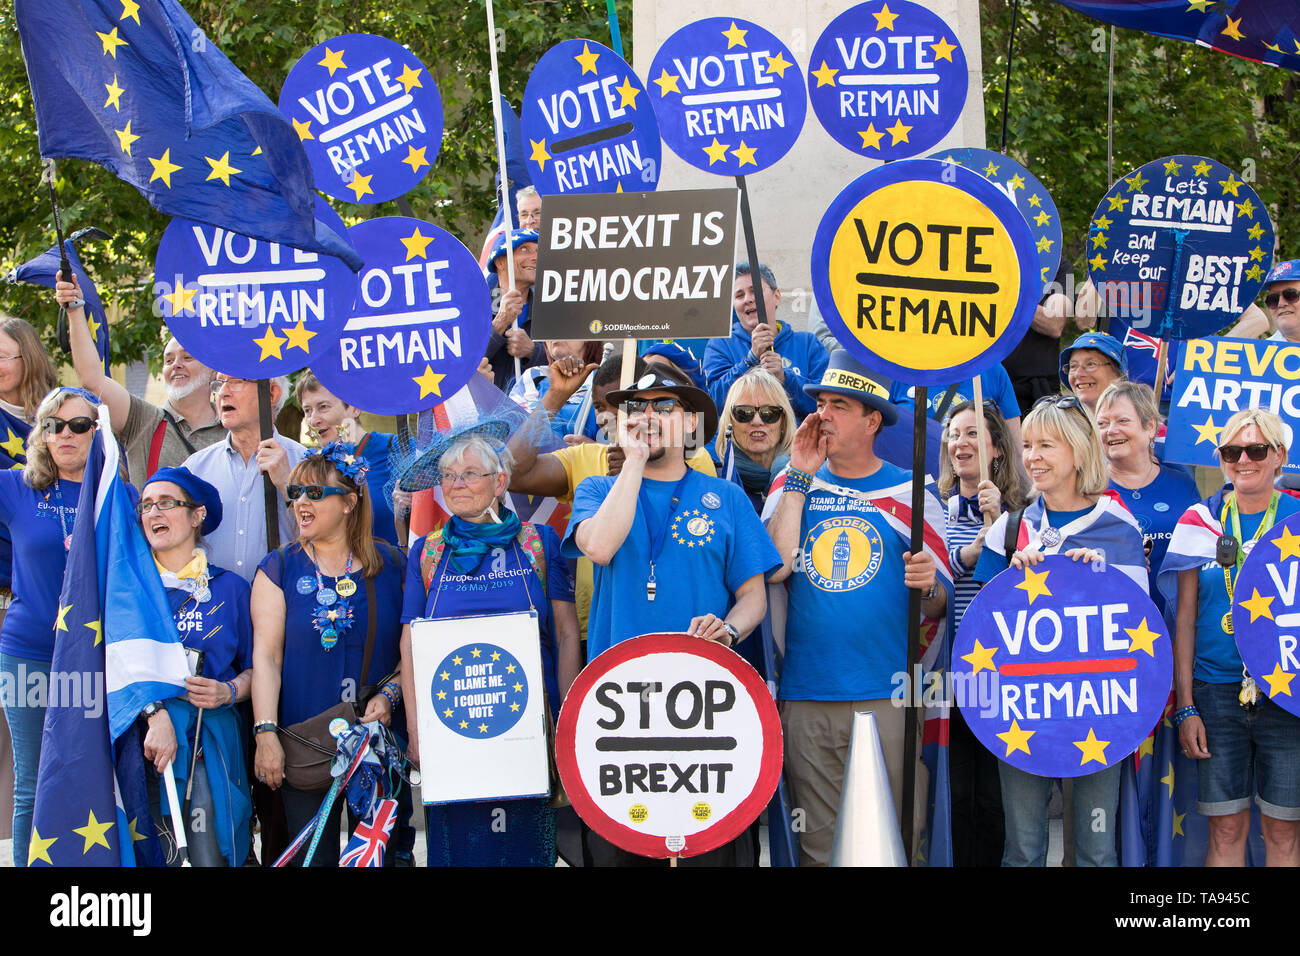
(44, 270)
(139, 89)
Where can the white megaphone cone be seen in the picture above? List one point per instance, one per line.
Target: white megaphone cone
(866, 827)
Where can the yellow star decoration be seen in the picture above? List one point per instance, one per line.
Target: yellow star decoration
(417, 245)
(496, 655)
(114, 95)
(667, 83)
(1136, 182)
(587, 60)
(1279, 682)
(1233, 29)
(1172, 167)
(136, 835)
(464, 725)
(1231, 184)
(735, 36)
(163, 167)
(482, 728)
(898, 132)
(1257, 254)
(270, 344)
(1035, 200)
(980, 658)
(444, 676)
(717, 152)
(885, 19)
(333, 60)
(221, 168)
(476, 653)
(448, 712)
(1098, 262)
(1199, 5)
(825, 75)
(93, 832)
(456, 660)
(1146, 749)
(13, 447)
(1117, 202)
(125, 138)
(540, 155)
(182, 300)
(1202, 168)
(619, 189)
(93, 326)
(1178, 824)
(1273, 47)
(97, 627)
(1168, 780)
(515, 706)
(1099, 240)
(130, 9)
(745, 154)
(1207, 432)
(778, 64)
(510, 669)
(360, 185)
(1042, 219)
(1254, 272)
(39, 849)
(991, 170)
(1092, 748)
(1016, 739)
(410, 78)
(871, 137)
(1255, 231)
(299, 336)
(1258, 606)
(1035, 584)
(1102, 222)
(1246, 208)
(1288, 544)
(1141, 638)
(627, 93)
(62, 623)
(442, 695)
(1044, 244)
(303, 129)
(415, 158)
(256, 152)
(1016, 182)
(111, 42)
(518, 687)
(429, 382)
(943, 50)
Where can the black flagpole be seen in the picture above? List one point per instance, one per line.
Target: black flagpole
(922, 402)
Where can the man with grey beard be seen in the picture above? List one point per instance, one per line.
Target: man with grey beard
(152, 437)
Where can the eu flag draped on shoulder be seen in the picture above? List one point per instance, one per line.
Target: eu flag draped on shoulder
(44, 270)
(115, 638)
(139, 89)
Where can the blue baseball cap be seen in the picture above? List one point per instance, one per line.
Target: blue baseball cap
(682, 357)
(200, 492)
(1107, 345)
(1288, 271)
(516, 239)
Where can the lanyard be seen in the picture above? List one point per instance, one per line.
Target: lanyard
(658, 529)
(1230, 513)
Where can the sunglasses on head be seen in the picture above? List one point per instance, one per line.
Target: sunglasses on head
(662, 406)
(1059, 401)
(770, 414)
(1273, 298)
(78, 426)
(313, 492)
(1256, 451)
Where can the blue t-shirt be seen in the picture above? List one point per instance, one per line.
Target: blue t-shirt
(992, 563)
(39, 559)
(220, 627)
(995, 382)
(712, 544)
(1157, 508)
(313, 679)
(376, 451)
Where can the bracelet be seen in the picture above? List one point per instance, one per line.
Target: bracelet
(233, 691)
(1182, 713)
(798, 482)
(265, 727)
(392, 698)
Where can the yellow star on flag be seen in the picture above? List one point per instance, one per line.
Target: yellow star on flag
(1117, 202)
(1198, 5)
(1254, 272)
(429, 382)
(1172, 167)
(303, 129)
(518, 687)
(442, 695)
(221, 168)
(93, 326)
(1233, 29)
(1207, 432)
(510, 668)
(1035, 584)
(778, 64)
(1246, 208)
(1035, 200)
(130, 9)
(1044, 244)
(991, 170)
(1279, 682)
(62, 623)
(464, 725)
(540, 155)
(1202, 168)
(1141, 638)
(1168, 780)
(980, 658)
(871, 137)
(1099, 240)
(496, 655)
(1257, 254)
(13, 446)
(1146, 749)
(476, 653)
(1273, 47)
(448, 712)
(825, 75)
(299, 336)
(39, 849)
(1016, 182)
(410, 78)
(1136, 182)
(1255, 231)
(1258, 606)
(415, 158)
(885, 19)
(114, 95)
(1015, 738)
(1231, 184)
(1178, 824)
(943, 50)
(1288, 544)
(1102, 222)
(1092, 748)
(333, 60)
(587, 60)
(717, 152)
(96, 627)
(125, 138)
(515, 706)
(456, 660)
(182, 300)
(136, 835)
(1042, 219)
(417, 245)
(163, 167)
(111, 42)
(745, 154)
(444, 676)
(270, 344)
(667, 83)
(482, 728)
(735, 36)
(627, 93)
(360, 184)
(1098, 262)
(898, 132)
(93, 833)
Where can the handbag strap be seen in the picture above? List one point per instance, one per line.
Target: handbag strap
(372, 616)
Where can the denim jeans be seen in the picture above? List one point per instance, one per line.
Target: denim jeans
(26, 724)
(1096, 806)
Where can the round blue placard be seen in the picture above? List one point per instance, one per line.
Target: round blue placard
(1266, 613)
(1180, 247)
(368, 114)
(729, 96)
(587, 123)
(887, 79)
(1062, 669)
(480, 691)
(1026, 191)
(249, 308)
(421, 321)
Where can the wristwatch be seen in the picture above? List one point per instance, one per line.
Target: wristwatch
(151, 709)
(934, 589)
(733, 632)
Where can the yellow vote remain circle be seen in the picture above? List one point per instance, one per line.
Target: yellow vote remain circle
(925, 271)
(842, 554)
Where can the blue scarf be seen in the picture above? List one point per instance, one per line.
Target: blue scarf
(467, 543)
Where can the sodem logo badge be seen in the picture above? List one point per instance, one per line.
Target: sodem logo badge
(842, 554)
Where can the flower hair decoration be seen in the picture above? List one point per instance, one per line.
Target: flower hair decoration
(344, 457)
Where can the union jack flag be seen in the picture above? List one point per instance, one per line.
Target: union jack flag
(366, 847)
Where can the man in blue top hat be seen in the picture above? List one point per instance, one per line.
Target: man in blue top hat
(840, 519)
(511, 323)
(1092, 362)
(1282, 296)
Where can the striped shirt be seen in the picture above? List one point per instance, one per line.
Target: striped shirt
(961, 532)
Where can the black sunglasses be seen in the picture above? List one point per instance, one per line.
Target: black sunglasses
(1256, 451)
(1059, 401)
(313, 492)
(770, 414)
(78, 426)
(662, 406)
(1273, 298)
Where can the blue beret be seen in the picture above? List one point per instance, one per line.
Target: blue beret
(200, 492)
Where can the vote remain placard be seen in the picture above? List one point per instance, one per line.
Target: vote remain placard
(1266, 614)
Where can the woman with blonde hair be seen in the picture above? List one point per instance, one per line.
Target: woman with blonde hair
(757, 426)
